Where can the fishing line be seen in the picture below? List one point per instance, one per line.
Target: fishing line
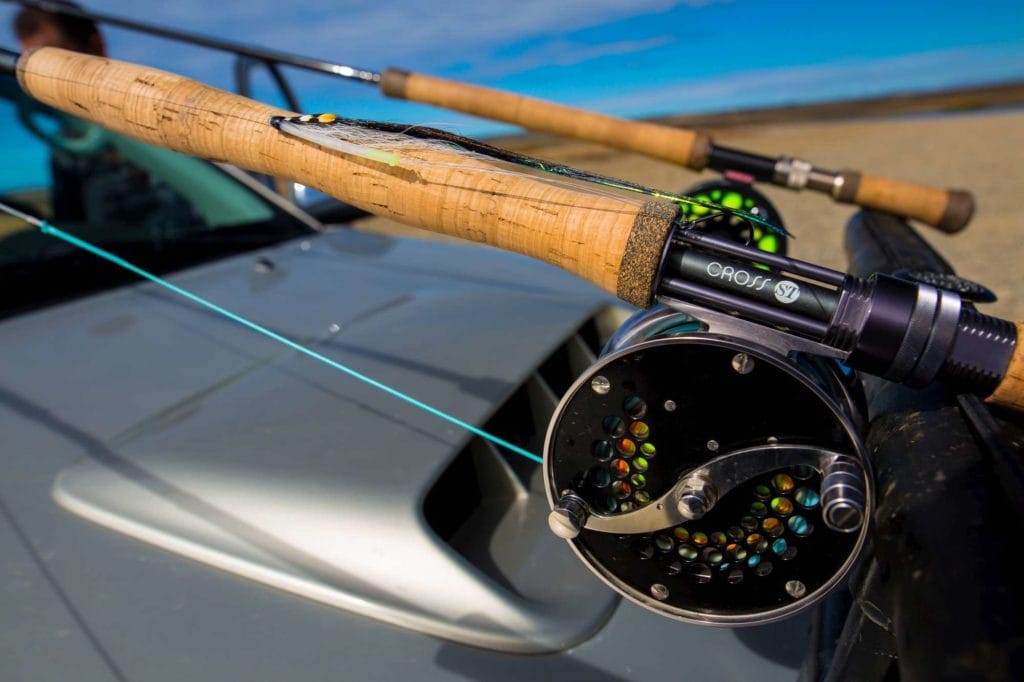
(395, 149)
(382, 142)
(48, 229)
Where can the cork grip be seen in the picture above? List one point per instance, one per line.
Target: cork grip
(676, 145)
(589, 234)
(1010, 392)
(948, 210)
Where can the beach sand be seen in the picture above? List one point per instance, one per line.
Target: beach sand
(982, 152)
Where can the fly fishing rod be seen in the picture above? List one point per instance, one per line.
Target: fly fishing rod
(947, 209)
(710, 465)
(632, 247)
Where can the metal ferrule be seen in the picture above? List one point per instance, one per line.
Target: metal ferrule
(799, 174)
(835, 188)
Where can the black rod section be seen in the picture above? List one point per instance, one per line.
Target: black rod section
(689, 291)
(308, 63)
(724, 159)
(797, 267)
(765, 286)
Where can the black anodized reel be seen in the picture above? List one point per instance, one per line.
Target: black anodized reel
(709, 479)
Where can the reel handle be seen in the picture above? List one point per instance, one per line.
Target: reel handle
(615, 243)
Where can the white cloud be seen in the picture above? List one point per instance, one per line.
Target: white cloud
(561, 52)
(375, 33)
(825, 81)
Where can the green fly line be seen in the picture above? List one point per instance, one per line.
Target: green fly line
(383, 143)
(48, 229)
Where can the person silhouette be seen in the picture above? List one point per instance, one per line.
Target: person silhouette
(92, 183)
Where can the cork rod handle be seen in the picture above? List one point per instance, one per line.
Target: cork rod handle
(676, 145)
(947, 209)
(614, 243)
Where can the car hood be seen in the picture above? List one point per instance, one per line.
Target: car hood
(185, 430)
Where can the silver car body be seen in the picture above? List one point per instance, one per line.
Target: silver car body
(182, 498)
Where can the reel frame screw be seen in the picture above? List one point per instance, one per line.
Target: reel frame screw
(796, 589)
(743, 363)
(600, 385)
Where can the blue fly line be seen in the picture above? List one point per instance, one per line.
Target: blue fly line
(47, 228)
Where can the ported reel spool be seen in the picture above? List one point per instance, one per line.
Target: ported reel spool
(708, 478)
(739, 195)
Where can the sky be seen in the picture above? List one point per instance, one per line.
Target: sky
(623, 57)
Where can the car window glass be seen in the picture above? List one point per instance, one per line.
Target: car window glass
(161, 210)
(106, 187)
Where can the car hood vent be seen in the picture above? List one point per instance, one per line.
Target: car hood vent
(338, 493)
(489, 503)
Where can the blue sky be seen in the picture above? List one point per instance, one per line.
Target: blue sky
(625, 57)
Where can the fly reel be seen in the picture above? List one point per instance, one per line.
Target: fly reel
(708, 478)
(736, 195)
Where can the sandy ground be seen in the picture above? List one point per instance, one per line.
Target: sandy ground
(980, 152)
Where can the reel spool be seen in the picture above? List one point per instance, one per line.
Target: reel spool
(736, 195)
(708, 478)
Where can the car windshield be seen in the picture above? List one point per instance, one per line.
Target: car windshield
(162, 210)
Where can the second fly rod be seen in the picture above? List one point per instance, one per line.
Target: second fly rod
(946, 209)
